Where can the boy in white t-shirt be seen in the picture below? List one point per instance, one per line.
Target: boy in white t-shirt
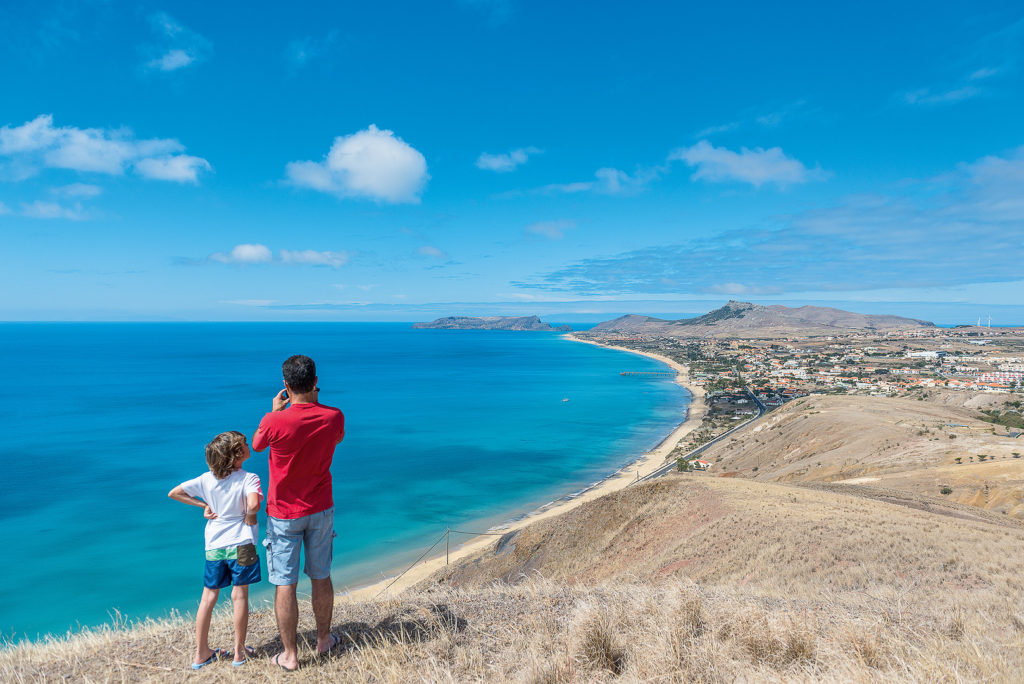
(230, 498)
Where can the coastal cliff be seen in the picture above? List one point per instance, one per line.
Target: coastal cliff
(491, 323)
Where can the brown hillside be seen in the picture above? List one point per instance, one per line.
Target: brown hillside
(781, 539)
(906, 444)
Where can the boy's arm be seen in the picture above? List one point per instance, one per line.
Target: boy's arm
(178, 494)
(252, 507)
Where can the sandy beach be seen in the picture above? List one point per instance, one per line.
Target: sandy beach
(643, 465)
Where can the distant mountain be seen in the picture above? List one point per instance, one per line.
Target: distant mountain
(491, 323)
(740, 319)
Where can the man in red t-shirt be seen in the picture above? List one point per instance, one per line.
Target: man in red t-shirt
(300, 504)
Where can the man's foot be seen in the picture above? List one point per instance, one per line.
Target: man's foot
(283, 663)
(330, 643)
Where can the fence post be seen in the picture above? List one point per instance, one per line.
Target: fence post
(447, 536)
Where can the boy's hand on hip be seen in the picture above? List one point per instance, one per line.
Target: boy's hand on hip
(208, 513)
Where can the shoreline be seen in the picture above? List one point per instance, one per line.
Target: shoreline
(641, 466)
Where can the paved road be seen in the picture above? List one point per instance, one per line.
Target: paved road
(668, 467)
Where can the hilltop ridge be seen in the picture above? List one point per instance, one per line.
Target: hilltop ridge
(747, 319)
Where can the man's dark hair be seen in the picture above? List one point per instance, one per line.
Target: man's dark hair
(299, 373)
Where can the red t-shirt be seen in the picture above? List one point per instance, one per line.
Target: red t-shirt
(301, 439)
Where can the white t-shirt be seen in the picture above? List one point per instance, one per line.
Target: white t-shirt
(227, 499)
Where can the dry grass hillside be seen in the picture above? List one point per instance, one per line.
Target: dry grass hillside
(827, 564)
(684, 579)
(905, 444)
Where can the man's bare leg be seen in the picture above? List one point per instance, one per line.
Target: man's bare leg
(323, 611)
(286, 609)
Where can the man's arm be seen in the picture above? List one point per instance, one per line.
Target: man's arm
(178, 494)
(259, 439)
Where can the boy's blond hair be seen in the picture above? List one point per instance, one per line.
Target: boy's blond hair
(223, 451)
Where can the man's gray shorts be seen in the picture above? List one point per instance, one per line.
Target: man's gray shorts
(285, 539)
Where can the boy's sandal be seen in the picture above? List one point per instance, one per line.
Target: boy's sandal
(217, 653)
(249, 653)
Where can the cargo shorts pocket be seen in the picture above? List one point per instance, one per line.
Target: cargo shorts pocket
(266, 545)
(247, 554)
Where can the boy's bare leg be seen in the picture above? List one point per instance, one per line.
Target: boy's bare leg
(203, 616)
(286, 609)
(240, 603)
(323, 610)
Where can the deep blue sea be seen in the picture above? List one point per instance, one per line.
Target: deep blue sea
(459, 428)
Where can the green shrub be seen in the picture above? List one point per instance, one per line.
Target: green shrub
(946, 490)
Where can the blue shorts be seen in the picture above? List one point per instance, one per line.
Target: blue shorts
(224, 567)
(285, 539)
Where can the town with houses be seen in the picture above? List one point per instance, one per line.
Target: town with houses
(737, 375)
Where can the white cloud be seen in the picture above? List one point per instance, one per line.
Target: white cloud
(261, 254)
(958, 229)
(250, 302)
(965, 88)
(300, 52)
(608, 181)
(551, 229)
(174, 59)
(431, 251)
(502, 163)
(244, 254)
(4, 209)
(925, 96)
(310, 256)
(497, 11)
(77, 190)
(714, 130)
(38, 143)
(182, 168)
(373, 163)
(757, 166)
(569, 188)
(985, 72)
(179, 46)
(52, 210)
(737, 289)
(33, 135)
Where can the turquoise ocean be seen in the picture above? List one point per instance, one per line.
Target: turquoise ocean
(466, 429)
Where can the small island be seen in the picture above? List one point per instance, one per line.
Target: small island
(492, 323)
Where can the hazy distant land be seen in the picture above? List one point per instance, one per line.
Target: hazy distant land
(491, 323)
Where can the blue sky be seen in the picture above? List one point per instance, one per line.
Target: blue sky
(401, 161)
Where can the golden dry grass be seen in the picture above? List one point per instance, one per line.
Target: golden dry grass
(545, 631)
(899, 443)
